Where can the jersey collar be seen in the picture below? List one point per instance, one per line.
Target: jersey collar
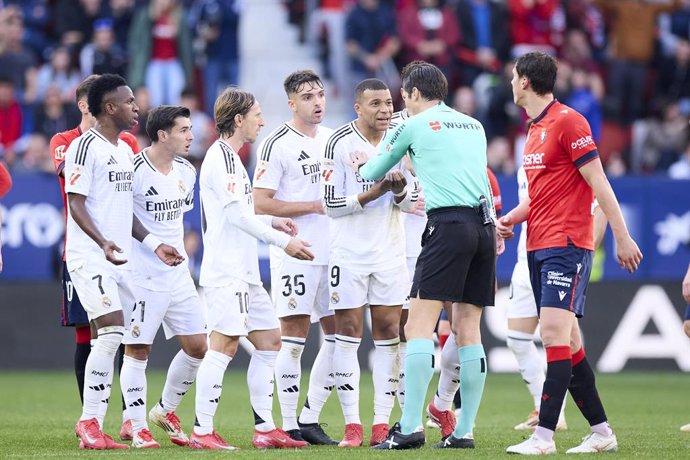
(543, 112)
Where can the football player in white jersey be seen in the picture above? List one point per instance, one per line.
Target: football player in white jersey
(163, 191)
(287, 184)
(100, 226)
(238, 305)
(367, 258)
(523, 319)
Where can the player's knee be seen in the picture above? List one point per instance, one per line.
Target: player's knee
(388, 330)
(197, 349)
(109, 339)
(140, 352)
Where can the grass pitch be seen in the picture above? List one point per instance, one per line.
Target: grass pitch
(39, 410)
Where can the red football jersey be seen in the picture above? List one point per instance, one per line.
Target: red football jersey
(58, 147)
(495, 191)
(559, 142)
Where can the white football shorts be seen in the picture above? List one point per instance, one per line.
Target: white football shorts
(239, 308)
(300, 289)
(354, 289)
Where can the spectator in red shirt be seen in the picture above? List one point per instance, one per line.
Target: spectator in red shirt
(564, 174)
(10, 119)
(5, 185)
(160, 51)
(429, 32)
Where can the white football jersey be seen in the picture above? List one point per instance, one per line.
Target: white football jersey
(290, 163)
(160, 202)
(229, 253)
(372, 238)
(522, 196)
(102, 172)
(414, 224)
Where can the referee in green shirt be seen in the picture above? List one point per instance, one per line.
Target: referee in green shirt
(458, 259)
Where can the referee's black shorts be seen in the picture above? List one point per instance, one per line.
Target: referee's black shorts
(458, 258)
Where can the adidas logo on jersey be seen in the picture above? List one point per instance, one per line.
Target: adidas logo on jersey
(112, 161)
(151, 192)
(303, 156)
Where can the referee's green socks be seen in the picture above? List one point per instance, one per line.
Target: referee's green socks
(472, 378)
(419, 368)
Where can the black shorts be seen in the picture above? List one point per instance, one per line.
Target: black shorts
(458, 258)
(73, 313)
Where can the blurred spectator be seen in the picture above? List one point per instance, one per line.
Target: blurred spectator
(658, 141)
(585, 99)
(327, 23)
(532, 26)
(74, 18)
(501, 112)
(54, 115)
(160, 51)
(37, 17)
(499, 156)
(103, 55)
(16, 61)
(429, 32)
(58, 70)
(681, 168)
(33, 155)
(122, 13)
(464, 102)
(615, 166)
(485, 42)
(203, 128)
(372, 42)
(218, 31)
(577, 51)
(674, 27)
(10, 119)
(673, 79)
(583, 16)
(631, 40)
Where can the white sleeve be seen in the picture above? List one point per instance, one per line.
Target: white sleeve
(240, 216)
(335, 202)
(409, 203)
(269, 167)
(79, 166)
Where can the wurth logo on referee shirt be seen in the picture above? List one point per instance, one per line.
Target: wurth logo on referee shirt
(435, 125)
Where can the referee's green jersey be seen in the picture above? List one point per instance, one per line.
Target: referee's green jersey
(448, 151)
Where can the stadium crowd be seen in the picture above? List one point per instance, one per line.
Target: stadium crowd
(624, 64)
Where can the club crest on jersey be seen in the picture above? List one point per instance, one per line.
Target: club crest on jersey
(136, 332)
(106, 301)
(542, 137)
(292, 303)
(335, 298)
(181, 187)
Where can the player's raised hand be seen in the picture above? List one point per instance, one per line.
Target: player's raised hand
(111, 251)
(686, 287)
(504, 227)
(357, 159)
(629, 255)
(169, 255)
(397, 180)
(299, 249)
(285, 225)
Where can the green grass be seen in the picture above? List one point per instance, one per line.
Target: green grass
(39, 410)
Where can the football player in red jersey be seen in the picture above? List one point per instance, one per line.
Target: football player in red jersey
(564, 174)
(73, 314)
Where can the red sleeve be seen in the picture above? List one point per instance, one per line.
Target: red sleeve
(576, 139)
(58, 147)
(130, 140)
(5, 180)
(495, 191)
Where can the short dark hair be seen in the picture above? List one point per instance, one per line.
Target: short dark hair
(163, 117)
(83, 88)
(428, 79)
(231, 102)
(540, 69)
(296, 80)
(372, 84)
(103, 85)
(407, 70)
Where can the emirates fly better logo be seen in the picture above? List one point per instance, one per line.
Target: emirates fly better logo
(435, 125)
